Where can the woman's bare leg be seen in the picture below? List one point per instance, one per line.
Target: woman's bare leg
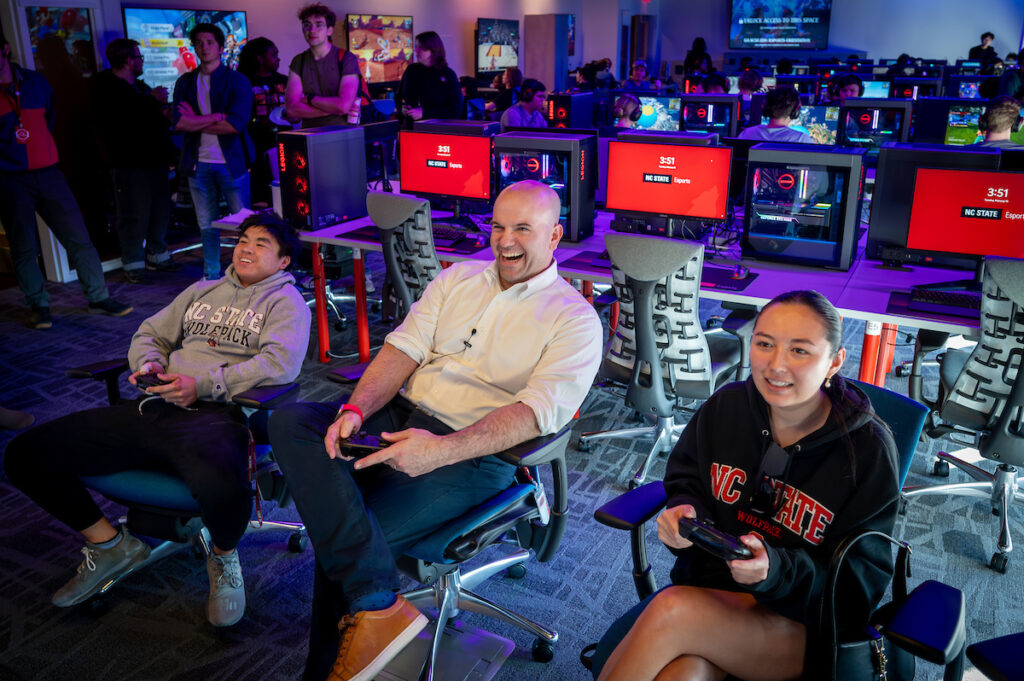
(728, 630)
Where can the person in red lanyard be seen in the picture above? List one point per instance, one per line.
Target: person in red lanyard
(31, 183)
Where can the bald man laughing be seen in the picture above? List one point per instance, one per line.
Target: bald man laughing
(493, 354)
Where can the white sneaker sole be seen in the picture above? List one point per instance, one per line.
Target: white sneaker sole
(392, 649)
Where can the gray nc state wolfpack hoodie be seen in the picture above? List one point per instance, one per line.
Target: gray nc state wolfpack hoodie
(228, 337)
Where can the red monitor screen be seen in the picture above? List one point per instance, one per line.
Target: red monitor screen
(668, 179)
(968, 211)
(445, 165)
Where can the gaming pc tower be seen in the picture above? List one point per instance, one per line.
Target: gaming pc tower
(320, 184)
(803, 204)
(566, 163)
(570, 110)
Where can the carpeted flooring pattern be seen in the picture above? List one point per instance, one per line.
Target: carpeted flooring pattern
(152, 626)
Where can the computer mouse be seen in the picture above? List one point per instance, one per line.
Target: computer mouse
(739, 272)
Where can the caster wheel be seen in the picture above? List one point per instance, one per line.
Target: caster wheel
(197, 551)
(375, 308)
(582, 446)
(340, 326)
(903, 507)
(633, 484)
(941, 469)
(998, 563)
(543, 650)
(297, 542)
(517, 571)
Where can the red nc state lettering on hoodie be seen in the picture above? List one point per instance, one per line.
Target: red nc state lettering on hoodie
(727, 482)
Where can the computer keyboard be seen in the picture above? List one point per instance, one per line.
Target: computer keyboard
(956, 302)
(446, 236)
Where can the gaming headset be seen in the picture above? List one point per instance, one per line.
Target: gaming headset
(983, 125)
(620, 106)
(529, 89)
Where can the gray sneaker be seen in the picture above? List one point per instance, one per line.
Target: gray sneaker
(226, 604)
(100, 567)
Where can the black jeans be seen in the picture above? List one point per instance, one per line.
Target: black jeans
(208, 448)
(143, 214)
(359, 521)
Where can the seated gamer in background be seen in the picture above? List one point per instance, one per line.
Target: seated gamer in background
(492, 354)
(782, 107)
(215, 340)
(1001, 117)
(792, 461)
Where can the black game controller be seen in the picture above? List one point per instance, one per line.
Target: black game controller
(144, 381)
(361, 444)
(715, 542)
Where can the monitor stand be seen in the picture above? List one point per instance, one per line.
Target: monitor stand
(385, 184)
(458, 218)
(974, 285)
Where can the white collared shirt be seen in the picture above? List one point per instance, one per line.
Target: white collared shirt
(480, 348)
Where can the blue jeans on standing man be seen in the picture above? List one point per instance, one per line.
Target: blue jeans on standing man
(211, 182)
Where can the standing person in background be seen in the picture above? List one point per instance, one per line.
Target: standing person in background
(30, 181)
(526, 113)
(698, 61)
(984, 52)
(429, 88)
(259, 61)
(323, 81)
(212, 105)
(135, 137)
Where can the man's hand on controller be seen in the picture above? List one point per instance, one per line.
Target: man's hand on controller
(412, 451)
(343, 427)
(180, 391)
(147, 368)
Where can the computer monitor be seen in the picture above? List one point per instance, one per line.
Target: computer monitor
(947, 120)
(705, 139)
(967, 214)
(438, 165)
(803, 204)
(710, 113)
(383, 43)
(658, 113)
(651, 185)
(497, 46)
(807, 85)
(894, 191)
(566, 163)
(968, 67)
(965, 87)
(877, 89)
(913, 88)
(869, 123)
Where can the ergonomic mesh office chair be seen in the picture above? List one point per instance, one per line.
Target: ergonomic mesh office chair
(659, 349)
(986, 400)
(160, 504)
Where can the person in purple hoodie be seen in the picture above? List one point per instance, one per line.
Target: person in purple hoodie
(216, 339)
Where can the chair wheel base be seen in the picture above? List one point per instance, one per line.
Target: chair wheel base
(340, 325)
(998, 562)
(582, 446)
(941, 469)
(543, 650)
(297, 542)
(634, 483)
(902, 510)
(517, 571)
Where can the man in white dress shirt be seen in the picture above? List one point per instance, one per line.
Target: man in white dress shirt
(493, 354)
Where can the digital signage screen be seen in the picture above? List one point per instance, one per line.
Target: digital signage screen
(162, 35)
(383, 44)
(445, 165)
(760, 24)
(668, 179)
(497, 45)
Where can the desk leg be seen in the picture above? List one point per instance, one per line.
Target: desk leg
(869, 351)
(322, 328)
(613, 319)
(362, 318)
(887, 343)
(588, 291)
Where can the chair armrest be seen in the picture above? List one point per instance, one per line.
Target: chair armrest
(348, 374)
(538, 450)
(99, 371)
(267, 396)
(930, 623)
(634, 508)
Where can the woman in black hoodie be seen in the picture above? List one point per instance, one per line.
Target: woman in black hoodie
(792, 461)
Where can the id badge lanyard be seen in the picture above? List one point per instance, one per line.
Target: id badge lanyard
(21, 133)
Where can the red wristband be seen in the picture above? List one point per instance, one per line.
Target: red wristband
(351, 407)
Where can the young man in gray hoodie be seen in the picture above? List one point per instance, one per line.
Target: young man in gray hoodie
(216, 339)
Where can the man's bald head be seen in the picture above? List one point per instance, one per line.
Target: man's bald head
(525, 230)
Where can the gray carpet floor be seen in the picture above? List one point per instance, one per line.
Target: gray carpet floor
(152, 625)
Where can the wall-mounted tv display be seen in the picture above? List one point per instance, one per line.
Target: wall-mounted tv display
(779, 24)
(497, 45)
(163, 39)
(383, 44)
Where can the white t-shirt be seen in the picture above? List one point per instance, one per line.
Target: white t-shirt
(209, 145)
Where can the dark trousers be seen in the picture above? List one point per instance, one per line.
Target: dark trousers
(208, 448)
(359, 521)
(46, 191)
(143, 197)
